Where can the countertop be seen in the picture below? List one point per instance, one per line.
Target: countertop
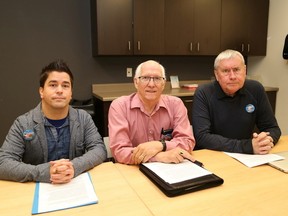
(111, 91)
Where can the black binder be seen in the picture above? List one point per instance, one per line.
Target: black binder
(183, 187)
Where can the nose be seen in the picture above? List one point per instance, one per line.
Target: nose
(151, 81)
(59, 89)
(232, 75)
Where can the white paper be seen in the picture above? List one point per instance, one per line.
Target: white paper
(174, 173)
(52, 197)
(252, 160)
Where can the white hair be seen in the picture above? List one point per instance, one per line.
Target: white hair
(227, 54)
(138, 69)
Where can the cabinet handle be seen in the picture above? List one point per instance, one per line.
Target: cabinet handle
(248, 48)
(188, 101)
(198, 47)
(242, 47)
(129, 45)
(191, 47)
(138, 45)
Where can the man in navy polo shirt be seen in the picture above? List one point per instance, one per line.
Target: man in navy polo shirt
(226, 112)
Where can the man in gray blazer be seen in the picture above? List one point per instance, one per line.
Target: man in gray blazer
(52, 142)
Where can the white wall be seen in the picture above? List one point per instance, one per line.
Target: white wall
(272, 70)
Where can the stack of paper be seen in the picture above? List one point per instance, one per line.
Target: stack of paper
(52, 197)
(252, 160)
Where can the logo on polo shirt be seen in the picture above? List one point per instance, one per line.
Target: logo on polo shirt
(250, 108)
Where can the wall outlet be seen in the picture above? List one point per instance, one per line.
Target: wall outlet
(129, 72)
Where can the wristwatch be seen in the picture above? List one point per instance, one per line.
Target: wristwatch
(164, 144)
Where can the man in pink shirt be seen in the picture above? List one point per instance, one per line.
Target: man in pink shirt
(148, 126)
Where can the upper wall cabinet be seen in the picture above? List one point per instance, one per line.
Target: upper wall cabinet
(192, 27)
(244, 26)
(126, 27)
(148, 27)
(112, 27)
(178, 27)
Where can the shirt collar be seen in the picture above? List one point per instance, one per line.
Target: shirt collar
(137, 103)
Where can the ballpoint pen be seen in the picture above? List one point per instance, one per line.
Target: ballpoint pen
(196, 161)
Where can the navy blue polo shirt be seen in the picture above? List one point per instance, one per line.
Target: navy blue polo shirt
(225, 123)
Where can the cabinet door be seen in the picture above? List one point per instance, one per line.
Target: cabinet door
(232, 24)
(149, 27)
(244, 26)
(207, 25)
(179, 19)
(112, 27)
(258, 27)
(192, 27)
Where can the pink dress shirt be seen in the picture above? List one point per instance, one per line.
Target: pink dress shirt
(129, 125)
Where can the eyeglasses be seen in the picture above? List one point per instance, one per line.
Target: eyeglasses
(236, 71)
(146, 79)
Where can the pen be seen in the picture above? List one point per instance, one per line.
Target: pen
(196, 161)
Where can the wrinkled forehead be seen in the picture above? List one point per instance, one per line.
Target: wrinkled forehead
(231, 62)
(151, 68)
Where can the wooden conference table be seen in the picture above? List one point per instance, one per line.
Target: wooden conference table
(246, 191)
(115, 195)
(124, 190)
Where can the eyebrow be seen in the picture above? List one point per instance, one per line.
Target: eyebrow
(55, 81)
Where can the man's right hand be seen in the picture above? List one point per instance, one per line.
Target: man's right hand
(262, 143)
(176, 155)
(61, 171)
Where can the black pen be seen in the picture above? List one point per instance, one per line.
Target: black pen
(196, 161)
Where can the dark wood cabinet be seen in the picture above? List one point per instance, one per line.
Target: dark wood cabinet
(111, 28)
(192, 27)
(155, 27)
(178, 27)
(188, 102)
(244, 26)
(101, 115)
(127, 27)
(148, 27)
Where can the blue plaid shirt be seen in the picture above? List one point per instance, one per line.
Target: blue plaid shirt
(58, 138)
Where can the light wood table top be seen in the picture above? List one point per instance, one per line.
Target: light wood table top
(124, 190)
(254, 191)
(282, 145)
(116, 197)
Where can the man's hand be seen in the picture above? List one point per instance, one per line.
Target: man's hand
(176, 155)
(61, 171)
(144, 151)
(262, 143)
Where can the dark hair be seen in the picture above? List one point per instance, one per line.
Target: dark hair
(59, 66)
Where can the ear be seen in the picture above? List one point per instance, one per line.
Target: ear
(135, 83)
(216, 74)
(41, 92)
(245, 70)
(164, 83)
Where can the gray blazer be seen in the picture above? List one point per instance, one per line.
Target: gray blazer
(24, 158)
